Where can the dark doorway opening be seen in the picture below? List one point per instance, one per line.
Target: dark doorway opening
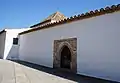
(65, 58)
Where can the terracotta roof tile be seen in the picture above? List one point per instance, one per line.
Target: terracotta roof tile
(90, 14)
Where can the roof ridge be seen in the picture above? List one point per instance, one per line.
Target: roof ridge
(58, 13)
(55, 14)
(51, 17)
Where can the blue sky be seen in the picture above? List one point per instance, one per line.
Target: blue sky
(24, 13)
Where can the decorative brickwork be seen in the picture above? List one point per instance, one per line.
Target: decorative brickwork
(71, 43)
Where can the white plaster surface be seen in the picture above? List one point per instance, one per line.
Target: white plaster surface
(11, 51)
(98, 45)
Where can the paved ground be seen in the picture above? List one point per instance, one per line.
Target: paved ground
(22, 72)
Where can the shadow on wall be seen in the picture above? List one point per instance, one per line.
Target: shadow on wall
(1, 57)
(13, 53)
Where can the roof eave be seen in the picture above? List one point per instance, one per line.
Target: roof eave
(90, 14)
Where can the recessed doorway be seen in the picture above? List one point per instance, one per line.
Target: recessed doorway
(65, 54)
(65, 61)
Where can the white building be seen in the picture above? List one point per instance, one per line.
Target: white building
(9, 43)
(87, 44)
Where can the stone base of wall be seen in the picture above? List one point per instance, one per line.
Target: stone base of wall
(72, 45)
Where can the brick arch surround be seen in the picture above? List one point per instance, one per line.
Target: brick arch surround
(71, 43)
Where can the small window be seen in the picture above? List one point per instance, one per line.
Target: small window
(15, 41)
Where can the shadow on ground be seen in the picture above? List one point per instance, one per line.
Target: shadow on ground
(67, 75)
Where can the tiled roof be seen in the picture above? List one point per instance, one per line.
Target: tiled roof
(90, 14)
(57, 16)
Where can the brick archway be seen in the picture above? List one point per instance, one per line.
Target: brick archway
(71, 43)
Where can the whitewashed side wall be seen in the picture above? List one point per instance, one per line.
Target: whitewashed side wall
(98, 45)
(11, 51)
(2, 44)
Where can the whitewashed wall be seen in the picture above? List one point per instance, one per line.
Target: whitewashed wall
(98, 45)
(2, 43)
(11, 51)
